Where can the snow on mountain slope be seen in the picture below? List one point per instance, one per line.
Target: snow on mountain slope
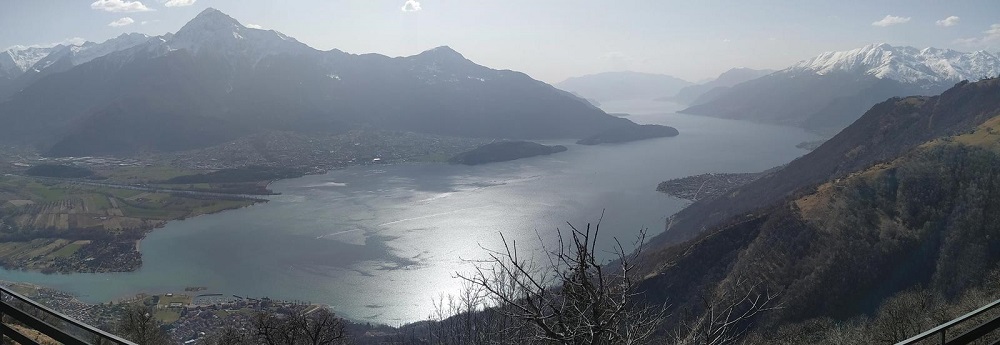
(90, 50)
(214, 32)
(905, 64)
(16, 61)
(61, 58)
(211, 32)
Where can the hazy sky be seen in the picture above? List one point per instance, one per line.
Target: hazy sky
(548, 39)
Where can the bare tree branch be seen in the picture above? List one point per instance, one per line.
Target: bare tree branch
(574, 298)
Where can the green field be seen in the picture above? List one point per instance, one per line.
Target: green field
(150, 174)
(167, 316)
(165, 300)
(68, 249)
(168, 207)
(227, 313)
(42, 210)
(98, 201)
(47, 192)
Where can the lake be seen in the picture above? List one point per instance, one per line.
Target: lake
(380, 243)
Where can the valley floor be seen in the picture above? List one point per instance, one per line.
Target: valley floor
(66, 226)
(95, 224)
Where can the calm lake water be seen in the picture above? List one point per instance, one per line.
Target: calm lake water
(380, 243)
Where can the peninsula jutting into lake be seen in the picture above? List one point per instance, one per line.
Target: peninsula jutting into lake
(504, 151)
(630, 133)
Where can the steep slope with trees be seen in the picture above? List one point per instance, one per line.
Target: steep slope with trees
(929, 217)
(885, 132)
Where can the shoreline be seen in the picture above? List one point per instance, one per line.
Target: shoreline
(138, 242)
(256, 199)
(116, 254)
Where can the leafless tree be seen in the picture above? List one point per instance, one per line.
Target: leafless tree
(472, 317)
(459, 319)
(572, 297)
(320, 327)
(728, 315)
(268, 329)
(229, 335)
(138, 324)
(315, 327)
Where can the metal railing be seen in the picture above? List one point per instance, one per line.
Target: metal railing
(940, 334)
(25, 313)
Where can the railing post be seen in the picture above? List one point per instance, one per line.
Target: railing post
(1, 316)
(941, 331)
(48, 329)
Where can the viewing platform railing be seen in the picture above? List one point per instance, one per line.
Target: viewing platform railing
(986, 322)
(42, 325)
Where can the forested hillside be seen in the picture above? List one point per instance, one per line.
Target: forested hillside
(928, 220)
(885, 132)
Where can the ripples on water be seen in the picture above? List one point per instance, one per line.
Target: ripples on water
(379, 243)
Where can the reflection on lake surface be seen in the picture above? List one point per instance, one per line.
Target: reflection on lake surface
(378, 243)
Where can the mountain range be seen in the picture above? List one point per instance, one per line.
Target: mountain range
(215, 80)
(704, 92)
(830, 91)
(20, 67)
(16, 61)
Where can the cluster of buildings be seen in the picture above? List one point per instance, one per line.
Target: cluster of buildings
(199, 316)
(211, 313)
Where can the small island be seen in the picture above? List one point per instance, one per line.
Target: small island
(631, 133)
(504, 151)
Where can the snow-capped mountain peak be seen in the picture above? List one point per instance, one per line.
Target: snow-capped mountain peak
(74, 55)
(90, 50)
(904, 64)
(17, 60)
